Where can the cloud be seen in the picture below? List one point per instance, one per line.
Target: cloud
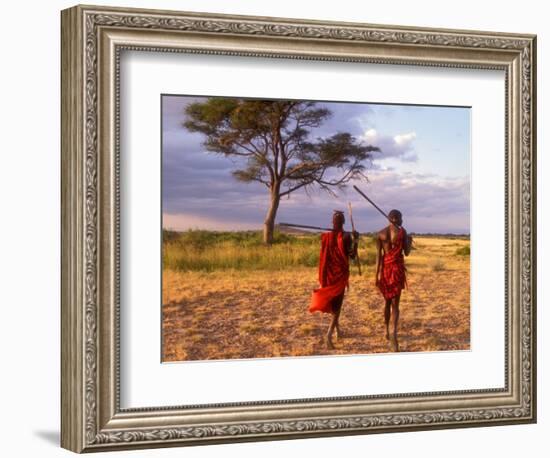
(404, 139)
(400, 146)
(429, 203)
(345, 117)
(186, 221)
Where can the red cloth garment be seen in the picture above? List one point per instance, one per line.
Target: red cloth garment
(333, 272)
(393, 278)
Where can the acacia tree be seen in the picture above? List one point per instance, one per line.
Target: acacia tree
(273, 139)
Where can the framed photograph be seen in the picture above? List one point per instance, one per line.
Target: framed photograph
(279, 228)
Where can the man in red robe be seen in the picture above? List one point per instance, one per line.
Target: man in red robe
(392, 243)
(337, 247)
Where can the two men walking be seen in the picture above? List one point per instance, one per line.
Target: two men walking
(337, 247)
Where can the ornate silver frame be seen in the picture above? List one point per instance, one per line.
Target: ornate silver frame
(92, 39)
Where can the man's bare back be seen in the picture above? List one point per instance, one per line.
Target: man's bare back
(387, 237)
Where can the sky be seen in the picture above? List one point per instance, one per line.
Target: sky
(423, 170)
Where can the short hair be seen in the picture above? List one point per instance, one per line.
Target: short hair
(394, 214)
(338, 216)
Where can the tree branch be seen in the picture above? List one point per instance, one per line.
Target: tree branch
(295, 188)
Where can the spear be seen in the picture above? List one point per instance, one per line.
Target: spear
(375, 206)
(380, 210)
(353, 229)
(303, 226)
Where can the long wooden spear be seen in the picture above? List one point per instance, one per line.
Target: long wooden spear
(353, 229)
(375, 206)
(378, 208)
(303, 226)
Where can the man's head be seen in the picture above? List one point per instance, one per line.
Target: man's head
(338, 220)
(395, 217)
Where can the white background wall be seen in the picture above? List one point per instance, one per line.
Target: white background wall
(29, 241)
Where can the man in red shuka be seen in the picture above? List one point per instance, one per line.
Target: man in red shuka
(392, 243)
(337, 247)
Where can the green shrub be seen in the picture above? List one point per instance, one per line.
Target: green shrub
(463, 251)
(368, 258)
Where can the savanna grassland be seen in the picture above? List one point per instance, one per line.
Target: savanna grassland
(226, 295)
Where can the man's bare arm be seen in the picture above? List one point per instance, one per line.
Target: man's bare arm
(350, 244)
(408, 244)
(378, 259)
(354, 245)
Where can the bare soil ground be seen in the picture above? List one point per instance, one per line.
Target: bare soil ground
(260, 314)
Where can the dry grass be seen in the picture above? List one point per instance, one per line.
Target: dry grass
(208, 251)
(258, 314)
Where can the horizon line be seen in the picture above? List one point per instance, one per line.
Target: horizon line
(304, 231)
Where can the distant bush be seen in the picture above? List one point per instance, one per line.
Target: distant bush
(368, 258)
(463, 251)
(438, 265)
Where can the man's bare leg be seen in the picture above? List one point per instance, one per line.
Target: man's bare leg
(395, 321)
(387, 314)
(331, 327)
(338, 310)
(334, 324)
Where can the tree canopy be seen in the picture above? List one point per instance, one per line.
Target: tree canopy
(273, 138)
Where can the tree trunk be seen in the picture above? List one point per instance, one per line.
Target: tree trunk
(269, 222)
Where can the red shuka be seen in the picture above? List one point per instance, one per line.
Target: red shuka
(393, 278)
(333, 272)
